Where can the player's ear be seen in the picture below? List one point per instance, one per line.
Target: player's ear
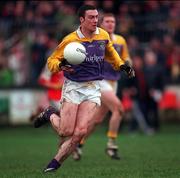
(81, 19)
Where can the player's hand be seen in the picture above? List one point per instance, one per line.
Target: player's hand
(64, 66)
(128, 69)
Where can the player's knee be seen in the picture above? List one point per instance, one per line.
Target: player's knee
(118, 108)
(66, 132)
(117, 114)
(76, 138)
(80, 132)
(114, 105)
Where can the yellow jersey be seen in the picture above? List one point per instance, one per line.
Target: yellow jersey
(120, 46)
(98, 48)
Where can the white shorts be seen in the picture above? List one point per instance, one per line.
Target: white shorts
(108, 85)
(77, 92)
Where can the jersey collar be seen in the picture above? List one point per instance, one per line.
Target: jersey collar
(80, 35)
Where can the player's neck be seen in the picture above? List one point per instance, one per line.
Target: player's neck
(111, 35)
(86, 33)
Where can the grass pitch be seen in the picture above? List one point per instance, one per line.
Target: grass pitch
(25, 151)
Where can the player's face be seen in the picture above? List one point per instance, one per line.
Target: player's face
(90, 20)
(108, 24)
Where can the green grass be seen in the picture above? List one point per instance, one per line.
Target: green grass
(25, 151)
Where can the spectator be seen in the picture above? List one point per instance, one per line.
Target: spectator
(38, 51)
(155, 83)
(18, 64)
(139, 93)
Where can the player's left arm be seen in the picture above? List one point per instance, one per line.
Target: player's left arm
(118, 63)
(125, 52)
(127, 67)
(112, 56)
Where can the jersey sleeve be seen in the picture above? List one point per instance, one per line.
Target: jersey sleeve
(112, 56)
(57, 56)
(125, 53)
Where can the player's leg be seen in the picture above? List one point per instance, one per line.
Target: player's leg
(51, 115)
(85, 114)
(100, 114)
(44, 116)
(65, 127)
(97, 119)
(55, 119)
(112, 102)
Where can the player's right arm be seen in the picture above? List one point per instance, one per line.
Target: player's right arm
(55, 59)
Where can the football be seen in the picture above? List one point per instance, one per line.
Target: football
(75, 53)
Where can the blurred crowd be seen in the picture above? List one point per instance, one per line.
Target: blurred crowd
(30, 30)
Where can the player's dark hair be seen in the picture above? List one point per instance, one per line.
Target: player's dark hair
(81, 11)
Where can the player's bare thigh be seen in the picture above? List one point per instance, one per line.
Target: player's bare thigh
(68, 114)
(85, 114)
(110, 99)
(100, 113)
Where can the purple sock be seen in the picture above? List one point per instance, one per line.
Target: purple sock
(48, 114)
(54, 164)
(50, 111)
